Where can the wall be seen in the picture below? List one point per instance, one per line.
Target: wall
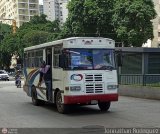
(140, 91)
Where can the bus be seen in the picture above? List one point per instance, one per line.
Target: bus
(83, 72)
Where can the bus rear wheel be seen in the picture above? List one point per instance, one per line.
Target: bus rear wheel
(62, 108)
(104, 106)
(35, 101)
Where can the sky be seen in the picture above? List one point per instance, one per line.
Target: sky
(41, 1)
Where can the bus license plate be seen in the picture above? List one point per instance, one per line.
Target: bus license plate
(94, 101)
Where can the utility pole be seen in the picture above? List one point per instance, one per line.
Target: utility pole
(14, 27)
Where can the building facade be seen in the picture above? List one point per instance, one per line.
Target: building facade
(156, 25)
(51, 9)
(63, 10)
(41, 9)
(56, 10)
(19, 10)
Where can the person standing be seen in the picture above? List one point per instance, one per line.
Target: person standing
(45, 74)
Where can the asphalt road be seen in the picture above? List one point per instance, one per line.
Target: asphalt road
(17, 111)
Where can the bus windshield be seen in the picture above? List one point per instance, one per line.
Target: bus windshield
(90, 59)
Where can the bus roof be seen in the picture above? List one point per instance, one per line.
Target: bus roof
(61, 42)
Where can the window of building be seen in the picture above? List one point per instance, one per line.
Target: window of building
(23, 5)
(32, 5)
(23, 17)
(153, 63)
(132, 63)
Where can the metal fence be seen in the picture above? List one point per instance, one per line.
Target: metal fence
(139, 79)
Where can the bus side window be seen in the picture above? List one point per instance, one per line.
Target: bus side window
(26, 59)
(38, 58)
(56, 61)
(29, 59)
(57, 52)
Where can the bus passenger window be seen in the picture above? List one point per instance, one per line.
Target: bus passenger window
(57, 52)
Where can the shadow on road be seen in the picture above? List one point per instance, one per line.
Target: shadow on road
(76, 110)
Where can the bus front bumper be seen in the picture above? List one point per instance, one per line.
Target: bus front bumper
(87, 99)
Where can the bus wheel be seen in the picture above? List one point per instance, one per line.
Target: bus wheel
(104, 106)
(35, 101)
(62, 108)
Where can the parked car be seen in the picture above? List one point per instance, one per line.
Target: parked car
(4, 75)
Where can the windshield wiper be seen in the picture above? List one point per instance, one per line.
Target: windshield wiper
(107, 67)
(78, 68)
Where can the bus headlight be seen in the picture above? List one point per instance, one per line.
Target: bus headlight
(75, 88)
(110, 87)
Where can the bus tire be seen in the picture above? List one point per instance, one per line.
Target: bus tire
(35, 101)
(62, 108)
(104, 106)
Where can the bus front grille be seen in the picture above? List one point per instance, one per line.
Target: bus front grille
(93, 78)
(94, 88)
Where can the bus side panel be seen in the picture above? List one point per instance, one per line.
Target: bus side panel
(57, 79)
(31, 79)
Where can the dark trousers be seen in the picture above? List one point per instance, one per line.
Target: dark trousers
(49, 89)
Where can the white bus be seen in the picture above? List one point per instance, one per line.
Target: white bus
(83, 72)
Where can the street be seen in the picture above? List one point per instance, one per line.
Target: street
(17, 111)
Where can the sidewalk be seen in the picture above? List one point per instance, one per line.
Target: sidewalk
(145, 92)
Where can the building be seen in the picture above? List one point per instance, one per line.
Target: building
(19, 10)
(140, 66)
(63, 10)
(56, 10)
(156, 25)
(51, 9)
(41, 9)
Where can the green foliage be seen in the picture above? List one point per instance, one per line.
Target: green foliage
(127, 21)
(39, 23)
(4, 30)
(38, 30)
(39, 19)
(8, 46)
(36, 37)
(89, 18)
(132, 21)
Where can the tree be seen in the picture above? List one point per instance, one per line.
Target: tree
(36, 37)
(40, 23)
(132, 21)
(4, 30)
(127, 21)
(89, 18)
(39, 19)
(8, 47)
(37, 31)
